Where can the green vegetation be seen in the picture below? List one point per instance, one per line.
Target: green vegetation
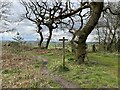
(101, 71)
(37, 63)
(26, 66)
(11, 71)
(23, 69)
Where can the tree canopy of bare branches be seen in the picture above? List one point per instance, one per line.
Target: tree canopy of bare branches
(54, 13)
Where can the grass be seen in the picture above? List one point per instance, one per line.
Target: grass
(11, 71)
(22, 70)
(101, 71)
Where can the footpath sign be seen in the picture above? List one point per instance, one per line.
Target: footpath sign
(63, 54)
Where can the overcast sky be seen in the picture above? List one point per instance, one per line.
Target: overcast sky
(27, 29)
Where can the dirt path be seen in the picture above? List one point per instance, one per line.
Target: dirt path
(60, 80)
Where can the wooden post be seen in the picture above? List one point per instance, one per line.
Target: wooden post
(63, 54)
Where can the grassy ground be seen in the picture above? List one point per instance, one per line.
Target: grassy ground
(101, 71)
(21, 68)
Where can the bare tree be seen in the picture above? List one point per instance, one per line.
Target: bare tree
(57, 13)
(96, 9)
(32, 16)
(82, 34)
(43, 13)
(109, 24)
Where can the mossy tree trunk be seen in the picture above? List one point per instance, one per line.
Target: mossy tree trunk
(97, 8)
(73, 47)
(81, 52)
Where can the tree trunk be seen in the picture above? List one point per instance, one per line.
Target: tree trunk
(73, 47)
(49, 38)
(99, 37)
(97, 8)
(118, 45)
(81, 52)
(112, 41)
(41, 40)
(109, 47)
(93, 48)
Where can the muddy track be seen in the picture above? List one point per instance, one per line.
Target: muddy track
(60, 80)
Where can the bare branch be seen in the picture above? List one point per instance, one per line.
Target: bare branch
(108, 8)
(73, 12)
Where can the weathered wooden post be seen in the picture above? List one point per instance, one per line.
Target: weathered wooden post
(63, 54)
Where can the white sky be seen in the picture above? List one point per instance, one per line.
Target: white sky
(28, 30)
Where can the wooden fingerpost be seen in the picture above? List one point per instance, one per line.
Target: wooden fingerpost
(63, 54)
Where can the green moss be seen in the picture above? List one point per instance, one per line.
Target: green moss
(11, 71)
